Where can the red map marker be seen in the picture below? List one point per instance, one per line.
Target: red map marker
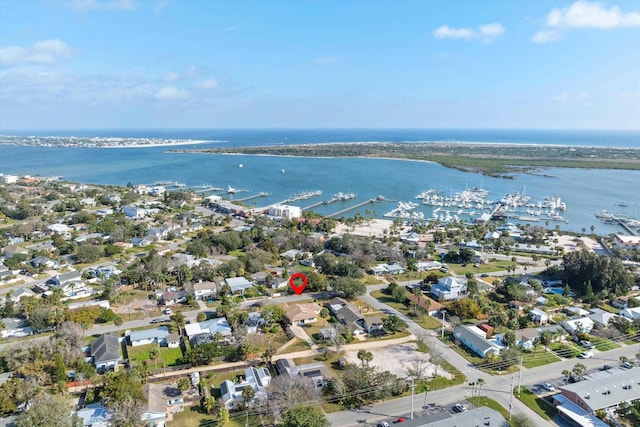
(298, 289)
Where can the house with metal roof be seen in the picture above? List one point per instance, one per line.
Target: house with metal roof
(475, 339)
(256, 378)
(210, 327)
(105, 351)
(149, 336)
(238, 284)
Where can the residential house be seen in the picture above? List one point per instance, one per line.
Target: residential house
(432, 306)
(620, 303)
(140, 242)
(428, 265)
(476, 340)
(387, 269)
(302, 313)
(163, 400)
(22, 293)
(557, 331)
(294, 254)
(61, 229)
(254, 322)
(575, 310)
(601, 317)
(526, 338)
(208, 329)
(316, 373)
(238, 284)
(373, 324)
(347, 314)
(134, 212)
(157, 233)
(538, 316)
(449, 288)
(631, 313)
(203, 290)
(169, 298)
(105, 352)
(173, 340)
(149, 336)
(256, 378)
(581, 325)
(626, 242)
(71, 283)
(183, 259)
(95, 415)
(10, 251)
(44, 262)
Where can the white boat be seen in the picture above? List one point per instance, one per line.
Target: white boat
(282, 170)
(231, 190)
(240, 165)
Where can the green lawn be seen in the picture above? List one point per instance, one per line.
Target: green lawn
(539, 358)
(538, 404)
(372, 280)
(195, 416)
(298, 345)
(603, 344)
(141, 352)
(566, 350)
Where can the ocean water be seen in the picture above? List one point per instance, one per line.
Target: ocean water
(585, 191)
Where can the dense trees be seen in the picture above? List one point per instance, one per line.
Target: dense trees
(601, 272)
(349, 287)
(304, 416)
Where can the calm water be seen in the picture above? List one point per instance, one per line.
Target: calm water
(585, 191)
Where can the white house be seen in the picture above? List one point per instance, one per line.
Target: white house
(134, 212)
(61, 229)
(626, 242)
(256, 378)
(580, 325)
(204, 289)
(238, 284)
(539, 316)
(211, 326)
(449, 288)
(631, 313)
(149, 336)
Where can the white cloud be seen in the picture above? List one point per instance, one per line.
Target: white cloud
(42, 52)
(584, 14)
(325, 60)
(562, 97)
(103, 4)
(546, 36)
(171, 76)
(208, 84)
(486, 32)
(230, 29)
(171, 93)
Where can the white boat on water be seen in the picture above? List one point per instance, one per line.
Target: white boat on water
(231, 190)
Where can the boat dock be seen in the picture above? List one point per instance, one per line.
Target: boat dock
(336, 198)
(356, 206)
(255, 196)
(628, 229)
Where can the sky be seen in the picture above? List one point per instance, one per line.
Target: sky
(125, 64)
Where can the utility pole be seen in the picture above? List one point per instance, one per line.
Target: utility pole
(412, 387)
(246, 422)
(519, 376)
(443, 323)
(513, 378)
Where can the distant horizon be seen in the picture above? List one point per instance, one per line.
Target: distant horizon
(138, 129)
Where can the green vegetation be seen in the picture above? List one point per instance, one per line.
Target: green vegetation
(489, 159)
(603, 344)
(539, 358)
(538, 404)
(171, 356)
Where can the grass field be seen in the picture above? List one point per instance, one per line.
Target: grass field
(141, 352)
(539, 405)
(539, 358)
(603, 344)
(427, 322)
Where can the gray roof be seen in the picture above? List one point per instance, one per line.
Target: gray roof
(480, 416)
(476, 340)
(608, 389)
(159, 333)
(105, 348)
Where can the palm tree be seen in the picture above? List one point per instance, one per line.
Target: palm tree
(324, 313)
(365, 357)
(154, 354)
(567, 374)
(248, 393)
(493, 358)
(209, 404)
(480, 383)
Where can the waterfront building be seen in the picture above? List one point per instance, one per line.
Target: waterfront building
(285, 211)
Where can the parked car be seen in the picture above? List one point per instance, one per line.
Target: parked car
(167, 311)
(606, 367)
(383, 424)
(458, 407)
(586, 355)
(399, 420)
(158, 320)
(548, 387)
(586, 343)
(627, 365)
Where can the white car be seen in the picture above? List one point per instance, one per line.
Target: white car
(383, 424)
(548, 387)
(586, 355)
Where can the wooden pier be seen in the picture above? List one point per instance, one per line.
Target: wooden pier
(356, 206)
(255, 196)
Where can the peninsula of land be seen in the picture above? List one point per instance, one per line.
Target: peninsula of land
(494, 159)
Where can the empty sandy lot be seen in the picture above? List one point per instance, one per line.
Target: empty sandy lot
(397, 359)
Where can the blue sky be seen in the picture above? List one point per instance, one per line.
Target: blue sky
(102, 64)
